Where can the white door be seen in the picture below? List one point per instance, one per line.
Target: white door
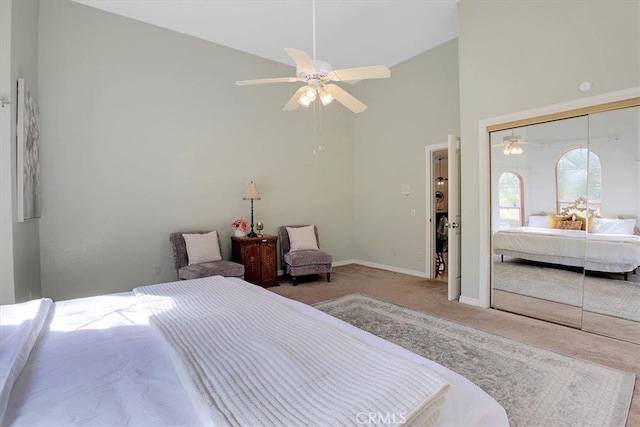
(454, 233)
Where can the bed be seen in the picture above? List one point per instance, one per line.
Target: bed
(217, 351)
(605, 249)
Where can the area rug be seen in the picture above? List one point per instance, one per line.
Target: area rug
(618, 298)
(536, 387)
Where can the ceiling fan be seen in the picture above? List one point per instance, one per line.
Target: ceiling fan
(318, 77)
(512, 144)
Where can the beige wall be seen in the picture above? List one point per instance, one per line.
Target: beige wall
(146, 134)
(416, 107)
(20, 241)
(519, 55)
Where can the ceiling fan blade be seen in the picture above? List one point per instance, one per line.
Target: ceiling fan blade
(301, 59)
(261, 81)
(360, 73)
(293, 102)
(345, 98)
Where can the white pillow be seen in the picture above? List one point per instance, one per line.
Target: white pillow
(539, 221)
(302, 238)
(202, 247)
(613, 226)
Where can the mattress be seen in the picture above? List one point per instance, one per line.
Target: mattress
(98, 361)
(615, 253)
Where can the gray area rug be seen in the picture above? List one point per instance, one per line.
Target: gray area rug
(612, 297)
(536, 387)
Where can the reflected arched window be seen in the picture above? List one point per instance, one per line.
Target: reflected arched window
(510, 193)
(579, 175)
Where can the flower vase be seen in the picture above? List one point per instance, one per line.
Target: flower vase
(239, 233)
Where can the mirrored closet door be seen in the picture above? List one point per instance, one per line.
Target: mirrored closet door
(611, 304)
(565, 198)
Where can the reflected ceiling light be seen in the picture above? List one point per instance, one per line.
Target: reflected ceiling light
(512, 148)
(512, 144)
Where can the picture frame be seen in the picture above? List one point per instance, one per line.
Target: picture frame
(27, 156)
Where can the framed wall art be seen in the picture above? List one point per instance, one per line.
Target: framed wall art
(28, 156)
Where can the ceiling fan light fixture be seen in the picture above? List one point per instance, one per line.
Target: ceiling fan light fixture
(310, 93)
(304, 101)
(512, 147)
(325, 97)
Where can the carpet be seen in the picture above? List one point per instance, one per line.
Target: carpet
(612, 297)
(536, 387)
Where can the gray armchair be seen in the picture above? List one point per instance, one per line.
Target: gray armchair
(302, 262)
(205, 269)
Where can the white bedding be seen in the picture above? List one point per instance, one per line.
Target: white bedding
(20, 325)
(616, 253)
(98, 362)
(293, 369)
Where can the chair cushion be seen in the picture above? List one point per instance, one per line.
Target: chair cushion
(300, 258)
(202, 247)
(215, 268)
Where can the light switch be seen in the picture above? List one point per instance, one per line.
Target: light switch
(406, 191)
(413, 212)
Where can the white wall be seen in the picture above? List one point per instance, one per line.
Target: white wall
(21, 242)
(518, 55)
(7, 292)
(144, 134)
(416, 107)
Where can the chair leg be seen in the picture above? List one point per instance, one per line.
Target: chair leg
(328, 277)
(294, 281)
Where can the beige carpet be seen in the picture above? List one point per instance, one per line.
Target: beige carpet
(431, 297)
(612, 297)
(536, 387)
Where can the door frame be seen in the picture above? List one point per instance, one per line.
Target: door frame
(430, 208)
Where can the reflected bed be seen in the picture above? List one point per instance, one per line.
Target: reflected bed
(611, 253)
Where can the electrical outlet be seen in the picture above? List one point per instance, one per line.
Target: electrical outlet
(158, 270)
(420, 258)
(393, 253)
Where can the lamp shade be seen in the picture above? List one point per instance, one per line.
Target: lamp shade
(251, 193)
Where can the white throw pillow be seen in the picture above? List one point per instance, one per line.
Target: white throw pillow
(302, 238)
(202, 247)
(613, 226)
(539, 221)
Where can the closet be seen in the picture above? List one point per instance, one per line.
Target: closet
(565, 199)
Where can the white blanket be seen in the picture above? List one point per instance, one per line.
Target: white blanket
(602, 252)
(20, 325)
(246, 360)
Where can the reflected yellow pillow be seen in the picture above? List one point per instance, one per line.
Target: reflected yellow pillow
(570, 225)
(588, 222)
(555, 219)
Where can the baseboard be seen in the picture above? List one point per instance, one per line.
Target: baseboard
(391, 268)
(374, 265)
(341, 263)
(469, 301)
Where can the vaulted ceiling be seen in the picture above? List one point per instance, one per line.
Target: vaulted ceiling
(349, 33)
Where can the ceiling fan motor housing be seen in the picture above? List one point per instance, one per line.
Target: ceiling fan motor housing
(321, 72)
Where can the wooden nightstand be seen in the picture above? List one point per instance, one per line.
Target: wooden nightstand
(259, 257)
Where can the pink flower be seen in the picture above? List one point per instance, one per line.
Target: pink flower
(240, 224)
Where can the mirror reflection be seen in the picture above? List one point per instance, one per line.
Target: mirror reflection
(565, 198)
